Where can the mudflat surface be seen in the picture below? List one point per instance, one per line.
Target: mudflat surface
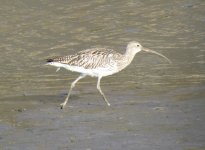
(155, 105)
(166, 121)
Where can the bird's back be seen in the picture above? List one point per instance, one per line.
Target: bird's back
(90, 58)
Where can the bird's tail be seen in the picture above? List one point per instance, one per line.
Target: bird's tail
(54, 59)
(49, 60)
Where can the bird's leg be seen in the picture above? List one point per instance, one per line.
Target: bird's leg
(70, 90)
(99, 89)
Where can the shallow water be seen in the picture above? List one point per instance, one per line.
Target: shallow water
(34, 30)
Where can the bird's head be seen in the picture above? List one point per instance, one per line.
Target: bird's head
(135, 47)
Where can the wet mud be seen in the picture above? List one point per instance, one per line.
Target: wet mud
(155, 122)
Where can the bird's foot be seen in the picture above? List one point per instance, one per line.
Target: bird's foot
(62, 105)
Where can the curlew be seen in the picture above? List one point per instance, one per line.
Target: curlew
(98, 62)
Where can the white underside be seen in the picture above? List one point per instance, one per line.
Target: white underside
(91, 72)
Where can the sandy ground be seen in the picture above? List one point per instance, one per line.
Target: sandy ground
(158, 122)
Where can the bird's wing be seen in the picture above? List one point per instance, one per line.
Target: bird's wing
(89, 59)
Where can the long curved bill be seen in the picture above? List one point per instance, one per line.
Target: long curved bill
(151, 51)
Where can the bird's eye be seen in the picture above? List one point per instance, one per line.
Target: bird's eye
(138, 45)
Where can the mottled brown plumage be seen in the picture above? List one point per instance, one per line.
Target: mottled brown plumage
(90, 58)
(97, 62)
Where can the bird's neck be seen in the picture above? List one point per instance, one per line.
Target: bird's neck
(126, 59)
(129, 56)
